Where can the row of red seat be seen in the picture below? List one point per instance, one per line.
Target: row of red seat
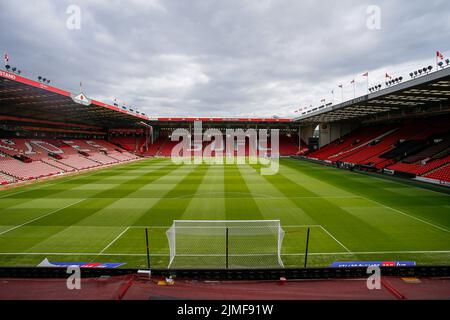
(163, 146)
(48, 157)
(442, 174)
(350, 144)
(372, 146)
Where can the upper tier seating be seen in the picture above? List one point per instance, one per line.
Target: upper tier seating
(370, 153)
(128, 143)
(430, 151)
(424, 146)
(350, 143)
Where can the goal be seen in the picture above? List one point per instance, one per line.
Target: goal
(225, 244)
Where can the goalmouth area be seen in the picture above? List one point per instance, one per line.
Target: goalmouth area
(101, 216)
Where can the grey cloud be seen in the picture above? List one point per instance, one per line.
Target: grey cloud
(222, 58)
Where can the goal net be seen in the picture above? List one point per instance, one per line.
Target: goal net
(225, 244)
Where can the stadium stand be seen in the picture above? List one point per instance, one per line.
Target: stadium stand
(128, 143)
(26, 171)
(442, 173)
(163, 146)
(351, 143)
(289, 145)
(26, 159)
(418, 147)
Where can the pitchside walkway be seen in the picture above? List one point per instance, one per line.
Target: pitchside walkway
(133, 287)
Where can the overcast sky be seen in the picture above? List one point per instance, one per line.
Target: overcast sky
(221, 58)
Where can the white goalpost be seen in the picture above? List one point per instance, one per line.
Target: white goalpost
(225, 244)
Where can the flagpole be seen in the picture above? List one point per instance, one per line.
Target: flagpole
(354, 89)
(437, 53)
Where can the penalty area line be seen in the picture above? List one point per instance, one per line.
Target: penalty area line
(40, 217)
(165, 254)
(408, 215)
(334, 238)
(114, 240)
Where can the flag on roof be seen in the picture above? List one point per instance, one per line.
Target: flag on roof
(6, 58)
(366, 74)
(388, 76)
(340, 86)
(439, 55)
(353, 81)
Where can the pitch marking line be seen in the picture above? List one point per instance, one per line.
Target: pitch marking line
(403, 213)
(40, 217)
(168, 227)
(408, 215)
(165, 254)
(115, 239)
(340, 243)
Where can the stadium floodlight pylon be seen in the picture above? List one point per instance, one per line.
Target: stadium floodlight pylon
(220, 244)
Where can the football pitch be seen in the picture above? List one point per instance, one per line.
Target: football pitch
(101, 216)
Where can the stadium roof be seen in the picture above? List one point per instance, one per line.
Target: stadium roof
(431, 91)
(23, 98)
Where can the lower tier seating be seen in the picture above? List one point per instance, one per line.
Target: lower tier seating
(442, 174)
(26, 159)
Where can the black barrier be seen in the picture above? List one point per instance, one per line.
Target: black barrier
(232, 274)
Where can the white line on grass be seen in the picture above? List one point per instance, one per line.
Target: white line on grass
(256, 196)
(340, 243)
(408, 215)
(40, 217)
(165, 254)
(115, 239)
(409, 185)
(403, 213)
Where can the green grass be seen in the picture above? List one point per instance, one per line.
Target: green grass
(100, 216)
